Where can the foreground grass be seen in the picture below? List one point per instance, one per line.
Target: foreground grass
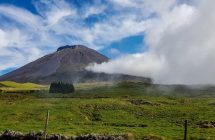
(109, 110)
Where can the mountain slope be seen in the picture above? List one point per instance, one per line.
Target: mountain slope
(67, 64)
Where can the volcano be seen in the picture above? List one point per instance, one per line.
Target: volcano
(67, 64)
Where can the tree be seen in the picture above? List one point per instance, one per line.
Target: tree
(59, 87)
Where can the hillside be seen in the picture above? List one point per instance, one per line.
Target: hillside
(119, 109)
(67, 64)
(13, 87)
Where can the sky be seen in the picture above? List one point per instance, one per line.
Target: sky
(170, 41)
(30, 29)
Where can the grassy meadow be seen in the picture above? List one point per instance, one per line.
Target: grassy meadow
(13, 87)
(107, 109)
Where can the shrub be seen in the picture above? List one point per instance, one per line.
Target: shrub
(59, 87)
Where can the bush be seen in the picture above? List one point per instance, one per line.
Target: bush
(59, 87)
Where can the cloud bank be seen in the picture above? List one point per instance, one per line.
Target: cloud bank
(181, 42)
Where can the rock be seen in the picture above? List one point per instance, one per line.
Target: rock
(152, 137)
(206, 124)
(13, 135)
(143, 102)
(67, 47)
(9, 134)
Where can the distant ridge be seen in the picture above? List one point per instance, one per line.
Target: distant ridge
(67, 64)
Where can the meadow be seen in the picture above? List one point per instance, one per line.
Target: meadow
(108, 109)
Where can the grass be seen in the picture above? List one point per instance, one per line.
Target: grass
(110, 110)
(9, 86)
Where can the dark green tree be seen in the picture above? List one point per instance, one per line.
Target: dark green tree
(60, 87)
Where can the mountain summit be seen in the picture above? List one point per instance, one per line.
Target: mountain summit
(67, 64)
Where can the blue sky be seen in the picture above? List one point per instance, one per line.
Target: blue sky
(25, 18)
(27, 4)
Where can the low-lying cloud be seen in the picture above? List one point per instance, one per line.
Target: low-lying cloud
(181, 41)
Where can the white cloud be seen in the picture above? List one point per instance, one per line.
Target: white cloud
(21, 16)
(182, 44)
(114, 51)
(136, 64)
(94, 10)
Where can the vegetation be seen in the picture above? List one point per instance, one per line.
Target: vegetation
(11, 87)
(145, 111)
(60, 87)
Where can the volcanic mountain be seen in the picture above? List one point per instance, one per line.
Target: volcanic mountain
(67, 64)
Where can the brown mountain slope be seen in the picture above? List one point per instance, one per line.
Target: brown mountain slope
(67, 64)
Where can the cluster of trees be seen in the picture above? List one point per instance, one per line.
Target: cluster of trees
(60, 87)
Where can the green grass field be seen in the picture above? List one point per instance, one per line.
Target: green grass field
(10, 87)
(108, 109)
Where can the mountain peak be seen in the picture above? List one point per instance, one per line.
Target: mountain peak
(67, 64)
(70, 47)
